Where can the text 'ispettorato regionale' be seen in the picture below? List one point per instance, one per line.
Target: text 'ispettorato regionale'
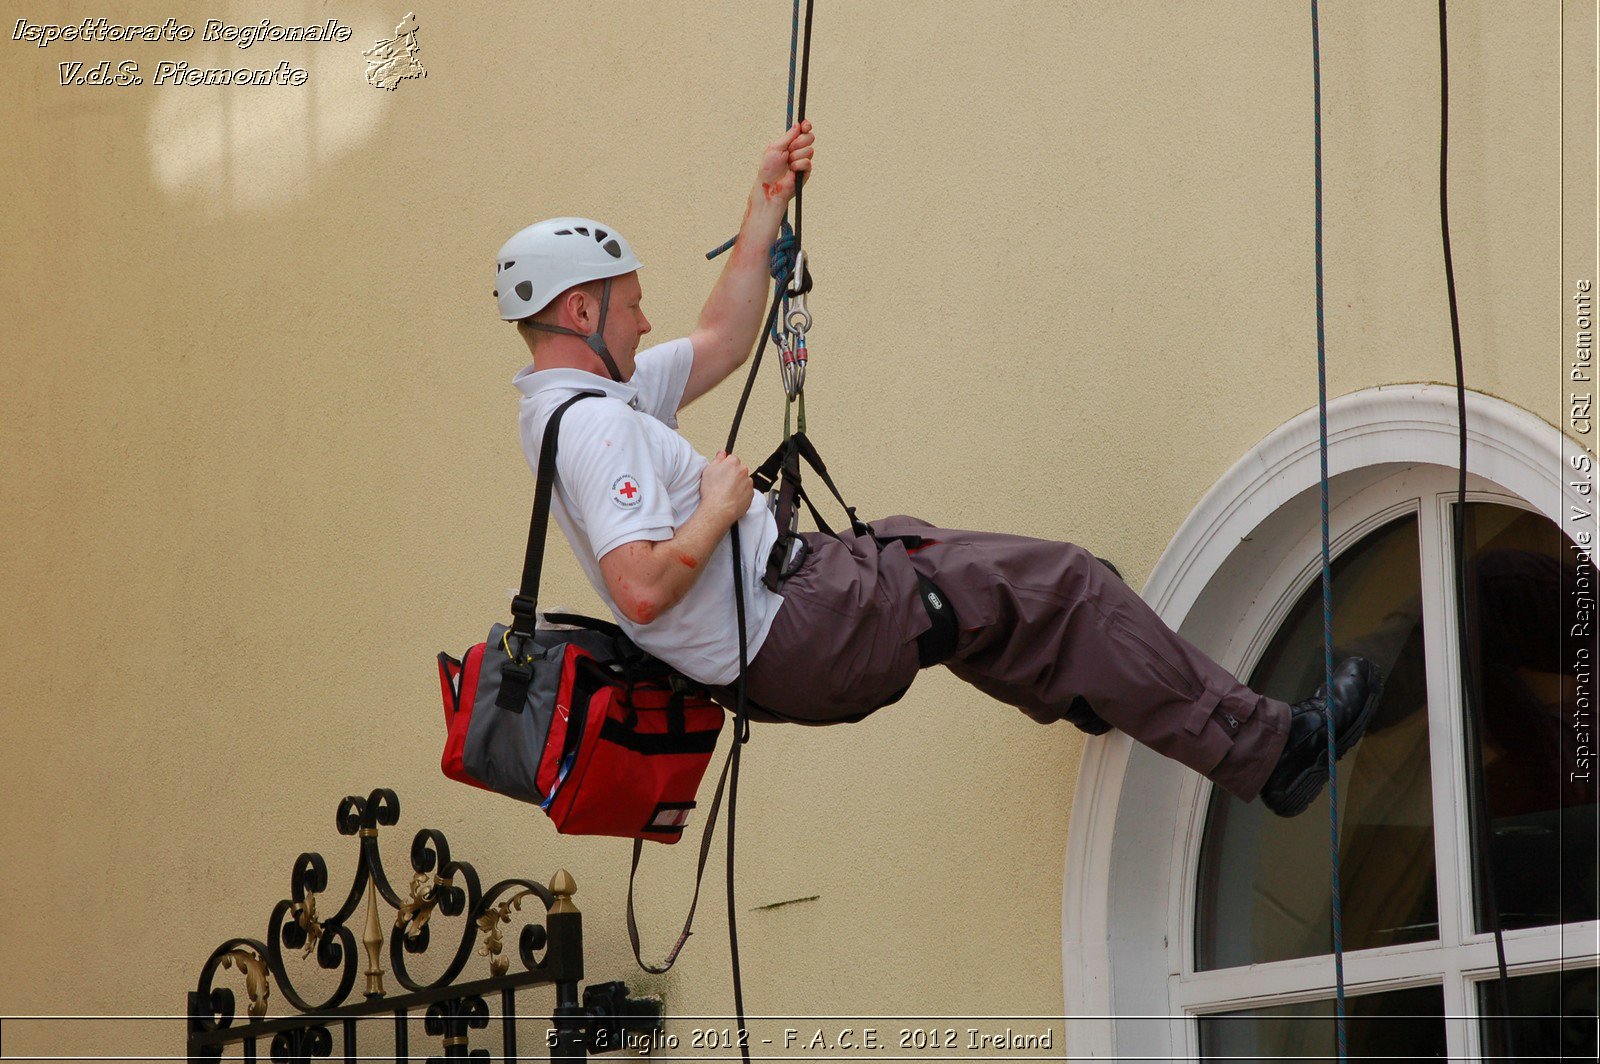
(168, 72)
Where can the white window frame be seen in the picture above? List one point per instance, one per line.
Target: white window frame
(1226, 581)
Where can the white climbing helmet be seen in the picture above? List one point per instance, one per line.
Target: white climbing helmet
(551, 256)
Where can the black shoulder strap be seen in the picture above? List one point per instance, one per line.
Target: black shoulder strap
(524, 606)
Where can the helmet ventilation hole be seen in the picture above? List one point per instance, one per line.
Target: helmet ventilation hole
(599, 235)
(581, 229)
(525, 290)
(612, 249)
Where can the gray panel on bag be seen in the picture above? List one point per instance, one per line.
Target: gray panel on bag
(502, 748)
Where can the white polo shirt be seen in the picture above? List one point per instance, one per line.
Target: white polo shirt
(623, 474)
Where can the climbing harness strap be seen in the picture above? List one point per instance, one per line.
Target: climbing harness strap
(939, 641)
(781, 471)
(780, 474)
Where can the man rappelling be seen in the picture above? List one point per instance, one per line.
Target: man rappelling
(837, 626)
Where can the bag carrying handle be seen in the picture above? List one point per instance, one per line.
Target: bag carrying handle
(524, 609)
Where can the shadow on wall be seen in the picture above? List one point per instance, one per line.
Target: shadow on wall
(231, 147)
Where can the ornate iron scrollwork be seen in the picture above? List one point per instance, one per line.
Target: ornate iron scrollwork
(440, 888)
(301, 1044)
(450, 1020)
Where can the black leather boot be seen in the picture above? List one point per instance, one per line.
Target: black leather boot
(1302, 769)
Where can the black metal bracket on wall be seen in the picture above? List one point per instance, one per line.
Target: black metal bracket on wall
(549, 947)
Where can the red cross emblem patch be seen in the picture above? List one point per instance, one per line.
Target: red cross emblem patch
(625, 491)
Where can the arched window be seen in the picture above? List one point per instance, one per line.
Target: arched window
(1239, 898)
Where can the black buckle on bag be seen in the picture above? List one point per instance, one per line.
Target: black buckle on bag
(515, 680)
(524, 609)
(516, 675)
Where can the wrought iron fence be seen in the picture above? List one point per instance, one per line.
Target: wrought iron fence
(550, 952)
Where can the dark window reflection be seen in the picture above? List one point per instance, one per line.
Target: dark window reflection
(1263, 891)
(1554, 1016)
(1524, 582)
(1399, 1025)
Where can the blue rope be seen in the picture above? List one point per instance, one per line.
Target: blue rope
(781, 261)
(1327, 565)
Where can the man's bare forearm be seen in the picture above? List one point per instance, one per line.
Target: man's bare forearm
(647, 578)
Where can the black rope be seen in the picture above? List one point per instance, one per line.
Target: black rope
(741, 708)
(1336, 911)
(800, 116)
(1471, 703)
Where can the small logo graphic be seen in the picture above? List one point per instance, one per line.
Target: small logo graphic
(391, 62)
(625, 492)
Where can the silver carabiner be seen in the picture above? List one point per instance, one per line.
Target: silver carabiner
(791, 361)
(796, 318)
(799, 356)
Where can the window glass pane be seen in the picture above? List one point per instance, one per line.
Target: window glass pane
(1398, 1025)
(1528, 662)
(1263, 884)
(1554, 1016)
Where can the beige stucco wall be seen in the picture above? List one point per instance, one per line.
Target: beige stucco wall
(258, 455)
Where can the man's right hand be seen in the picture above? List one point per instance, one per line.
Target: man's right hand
(646, 578)
(725, 487)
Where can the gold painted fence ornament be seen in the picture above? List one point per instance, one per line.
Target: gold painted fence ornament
(489, 923)
(389, 62)
(256, 986)
(413, 915)
(305, 915)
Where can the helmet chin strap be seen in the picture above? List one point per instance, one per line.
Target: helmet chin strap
(596, 340)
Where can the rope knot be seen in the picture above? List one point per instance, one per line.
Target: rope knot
(781, 256)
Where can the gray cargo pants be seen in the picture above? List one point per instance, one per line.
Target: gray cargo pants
(1041, 623)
